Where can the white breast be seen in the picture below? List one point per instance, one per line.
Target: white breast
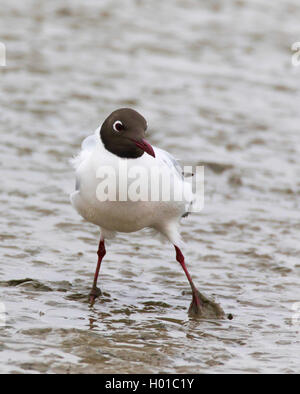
(126, 216)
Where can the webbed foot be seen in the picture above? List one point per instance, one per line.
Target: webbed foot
(201, 306)
(95, 292)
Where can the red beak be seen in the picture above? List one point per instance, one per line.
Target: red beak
(143, 144)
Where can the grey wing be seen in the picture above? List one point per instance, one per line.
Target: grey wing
(87, 146)
(89, 143)
(177, 168)
(170, 161)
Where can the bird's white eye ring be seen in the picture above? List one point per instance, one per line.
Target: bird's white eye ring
(118, 126)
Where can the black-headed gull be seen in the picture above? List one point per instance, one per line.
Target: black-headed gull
(120, 142)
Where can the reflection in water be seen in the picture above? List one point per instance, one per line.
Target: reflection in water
(216, 84)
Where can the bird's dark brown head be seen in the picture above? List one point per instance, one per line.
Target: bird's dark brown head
(123, 132)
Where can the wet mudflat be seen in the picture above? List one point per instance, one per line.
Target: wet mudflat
(217, 87)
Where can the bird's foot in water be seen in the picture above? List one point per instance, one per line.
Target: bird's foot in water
(201, 306)
(95, 292)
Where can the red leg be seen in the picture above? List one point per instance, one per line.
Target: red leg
(95, 292)
(196, 303)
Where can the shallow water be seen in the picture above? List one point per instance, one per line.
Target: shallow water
(215, 82)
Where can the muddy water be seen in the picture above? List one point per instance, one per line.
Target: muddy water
(215, 82)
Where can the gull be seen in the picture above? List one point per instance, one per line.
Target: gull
(119, 146)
